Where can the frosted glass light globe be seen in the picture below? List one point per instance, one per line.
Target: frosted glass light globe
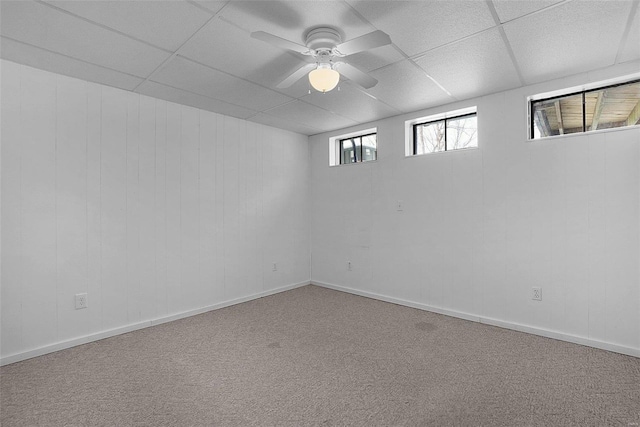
(324, 79)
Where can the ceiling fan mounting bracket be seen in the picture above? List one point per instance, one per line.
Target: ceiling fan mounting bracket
(323, 39)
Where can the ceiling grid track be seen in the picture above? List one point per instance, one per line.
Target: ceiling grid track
(625, 34)
(71, 57)
(97, 24)
(505, 40)
(402, 53)
(175, 53)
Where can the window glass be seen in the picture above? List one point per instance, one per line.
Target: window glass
(613, 107)
(462, 132)
(347, 151)
(369, 147)
(357, 149)
(429, 137)
(557, 116)
(361, 148)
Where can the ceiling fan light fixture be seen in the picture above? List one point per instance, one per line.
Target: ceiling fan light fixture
(324, 78)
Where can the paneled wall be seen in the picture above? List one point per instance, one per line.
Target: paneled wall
(480, 228)
(152, 208)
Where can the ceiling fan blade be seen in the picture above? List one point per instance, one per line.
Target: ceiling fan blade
(280, 42)
(368, 41)
(296, 75)
(355, 75)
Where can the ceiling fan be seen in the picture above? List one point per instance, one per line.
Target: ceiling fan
(324, 44)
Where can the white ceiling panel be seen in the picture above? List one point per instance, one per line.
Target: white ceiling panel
(187, 75)
(375, 58)
(259, 61)
(45, 60)
(292, 19)
(406, 87)
(568, 39)
(417, 26)
(631, 49)
(512, 9)
(165, 24)
(278, 122)
(178, 96)
(310, 115)
(352, 103)
(46, 27)
(474, 67)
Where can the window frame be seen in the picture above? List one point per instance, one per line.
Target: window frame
(573, 92)
(445, 119)
(340, 145)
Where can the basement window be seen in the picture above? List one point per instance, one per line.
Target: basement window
(362, 148)
(354, 148)
(454, 130)
(596, 108)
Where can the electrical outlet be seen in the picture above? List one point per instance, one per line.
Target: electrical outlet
(399, 206)
(349, 266)
(275, 267)
(81, 301)
(536, 293)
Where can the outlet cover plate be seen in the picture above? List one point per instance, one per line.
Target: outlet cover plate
(536, 293)
(81, 301)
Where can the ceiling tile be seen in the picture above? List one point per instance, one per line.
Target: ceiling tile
(417, 26)
(310, 115)
(511, 9)
(473, 67)
(43, 26)
(352, 103)
(178, 96)
(568, 39)
(166, 24)
(406, 87)
(292, 19)
(245, 57)
(49, 61)
(268, 120)
(187, 75)
(375, 58)
(631, 49)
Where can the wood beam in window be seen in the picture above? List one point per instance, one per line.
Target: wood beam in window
(634, 116)
(559, 116)
(598, 110)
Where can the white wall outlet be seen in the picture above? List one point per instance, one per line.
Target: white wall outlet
(81, 301)
(399, 206)
(349, 267)
(536, 293)
(275, 267)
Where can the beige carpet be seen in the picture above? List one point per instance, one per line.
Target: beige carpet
(313, 356)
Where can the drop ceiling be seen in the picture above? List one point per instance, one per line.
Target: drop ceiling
(199, 53)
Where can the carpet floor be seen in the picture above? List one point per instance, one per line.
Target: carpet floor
(314, 356)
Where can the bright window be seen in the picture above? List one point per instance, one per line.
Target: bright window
(605, 107)
(360, 148)
(446, 134)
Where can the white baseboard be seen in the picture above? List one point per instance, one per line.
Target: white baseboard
(17, 357)
(630, 351)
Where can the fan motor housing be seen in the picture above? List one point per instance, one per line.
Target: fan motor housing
(323, 38)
